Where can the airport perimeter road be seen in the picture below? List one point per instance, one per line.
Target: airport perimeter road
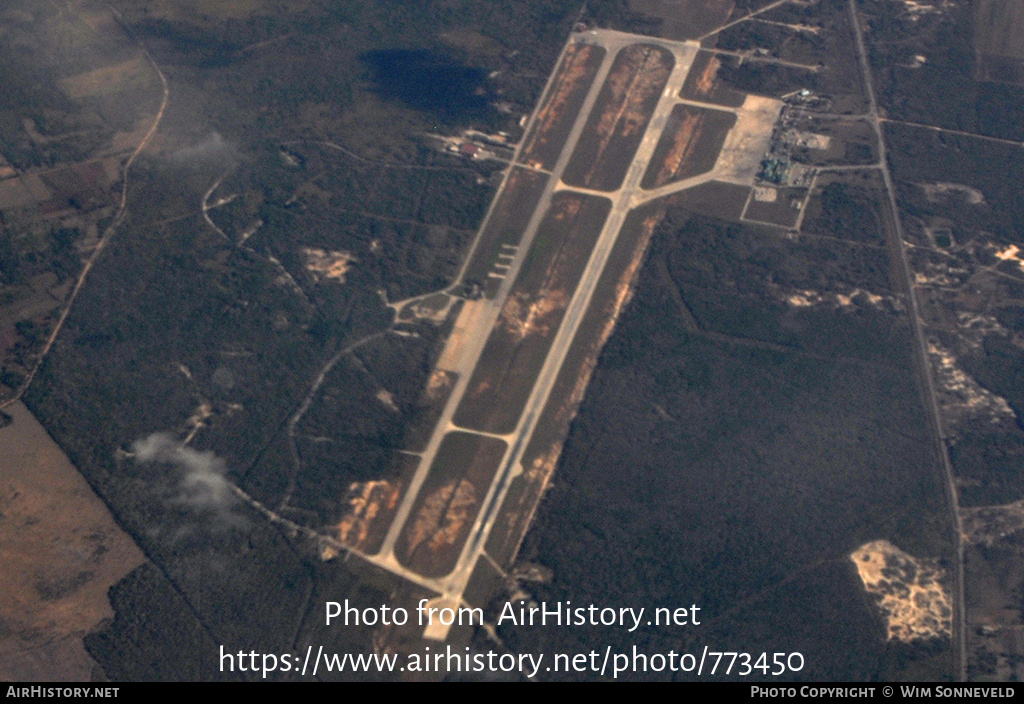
(897, 241)
(475, 343)
(623, 201)
(452, 586)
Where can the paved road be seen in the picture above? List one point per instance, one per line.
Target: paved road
(622, 204)
(623, 200)
(485, 322)
(897, 239)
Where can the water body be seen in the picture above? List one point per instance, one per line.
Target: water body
(430, 82)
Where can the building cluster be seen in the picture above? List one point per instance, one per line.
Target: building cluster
(778, 168)
(472, 144)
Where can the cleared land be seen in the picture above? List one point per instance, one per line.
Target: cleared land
(211, 13)
(685, 19)
(132, 75)
(501, 235)
(448, 503)
(999, 40)
(762, 466)
(703, 84)
(61, 551)
(561, 107)
(714, 198)
(783, 210)
(847, 206)
(832, 142)
(431, 404)
(522, 336)
(618, 121)
(541, 455)
(689, 146)
(372, 506)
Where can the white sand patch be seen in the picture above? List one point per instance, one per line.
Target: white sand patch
(909, 591)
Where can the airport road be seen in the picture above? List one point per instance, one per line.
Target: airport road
(623, 203)
(451, 587)
(486, 319)
(898, 244)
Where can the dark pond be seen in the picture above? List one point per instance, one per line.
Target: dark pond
(430, 82)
